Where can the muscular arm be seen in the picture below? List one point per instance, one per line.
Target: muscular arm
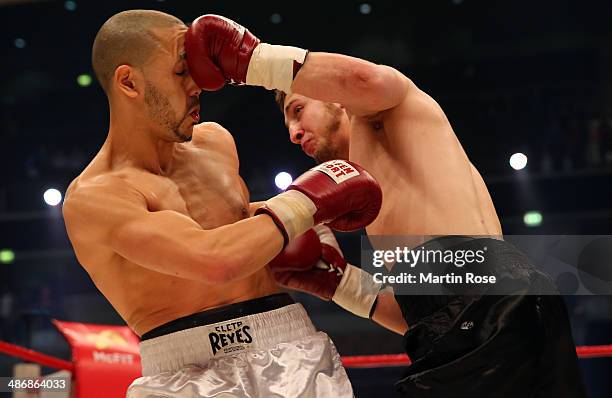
(166, 241)
(362, 87)
(388, 313)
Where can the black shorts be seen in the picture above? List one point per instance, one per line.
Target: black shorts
(487, 345)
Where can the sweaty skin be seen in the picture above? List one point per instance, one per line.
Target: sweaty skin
(403, 138)
(203, 187)
(161, 224)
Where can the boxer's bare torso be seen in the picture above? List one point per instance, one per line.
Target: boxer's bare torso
(403, 138)
(429, 185)
(202, 183)
(385, 123)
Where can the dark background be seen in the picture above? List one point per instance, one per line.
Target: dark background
(512, 76)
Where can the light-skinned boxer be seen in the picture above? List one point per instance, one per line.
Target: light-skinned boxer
(161, 221)
(337, 106)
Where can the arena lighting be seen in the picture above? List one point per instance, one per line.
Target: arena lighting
(52, 197)
(518, 161)
(7, 256)
(84, 80)
(283, 180)
(365, 8)
(70, 5)
(276, 18)
(20, 43)
(533, 218)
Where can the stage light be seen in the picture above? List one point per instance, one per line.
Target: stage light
(70, 5)
(7, 256)
(52, 197)
(20, 43)
(84, 80)
(276, 18)
(283, 180)
(518, 161)
(365, 8)
(533, 218)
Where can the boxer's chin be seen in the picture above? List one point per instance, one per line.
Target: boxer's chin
(324, 154)
(184, 134)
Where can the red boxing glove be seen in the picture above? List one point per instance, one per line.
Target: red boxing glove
(218, 51)
(349, 199)
(301, 254)
(339, 193)
(313, 263)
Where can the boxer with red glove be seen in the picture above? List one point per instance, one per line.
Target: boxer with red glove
(339, 193)
(221, 51)
(313, 263)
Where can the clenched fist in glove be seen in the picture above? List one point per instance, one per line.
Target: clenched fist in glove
(313, 263)
(220, 51)
(339, 193)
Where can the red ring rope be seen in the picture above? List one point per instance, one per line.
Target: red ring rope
(371, 361)
(594, 351)
(355, 361)
(33, 356)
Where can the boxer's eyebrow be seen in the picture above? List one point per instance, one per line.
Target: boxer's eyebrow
(182, 57)
(289, 105)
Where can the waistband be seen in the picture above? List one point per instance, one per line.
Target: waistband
(200, 344)
(220, 314)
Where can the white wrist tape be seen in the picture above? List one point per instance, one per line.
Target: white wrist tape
(356, 292)
(272, 66)
(327, 236)
(295, 210)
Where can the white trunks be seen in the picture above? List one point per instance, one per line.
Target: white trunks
(276, 353)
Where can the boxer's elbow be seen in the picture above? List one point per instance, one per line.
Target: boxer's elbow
(380, 83)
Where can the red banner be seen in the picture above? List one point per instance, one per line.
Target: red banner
(106, 358)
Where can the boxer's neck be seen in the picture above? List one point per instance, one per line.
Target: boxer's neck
(131, 143)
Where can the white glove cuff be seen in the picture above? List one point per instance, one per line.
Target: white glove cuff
(272, 66)
(294, 210)
(327, 236)
(356, 292)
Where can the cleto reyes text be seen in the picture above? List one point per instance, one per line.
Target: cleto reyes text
(234, 333)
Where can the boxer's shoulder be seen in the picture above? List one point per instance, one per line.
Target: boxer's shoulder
(210, 132)
(119, 185)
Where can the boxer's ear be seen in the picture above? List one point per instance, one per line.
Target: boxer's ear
(128, 81)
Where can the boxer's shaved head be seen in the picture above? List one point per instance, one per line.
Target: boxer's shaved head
(127, 38)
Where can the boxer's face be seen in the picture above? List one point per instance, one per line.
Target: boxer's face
(171, 97)
(320, 128)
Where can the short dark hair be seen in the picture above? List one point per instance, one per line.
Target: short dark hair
(279, 97)
(126, 38)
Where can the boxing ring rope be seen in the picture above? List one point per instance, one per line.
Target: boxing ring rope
(34, 356)
(352, 361)
(389, 360)
(594, 351)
